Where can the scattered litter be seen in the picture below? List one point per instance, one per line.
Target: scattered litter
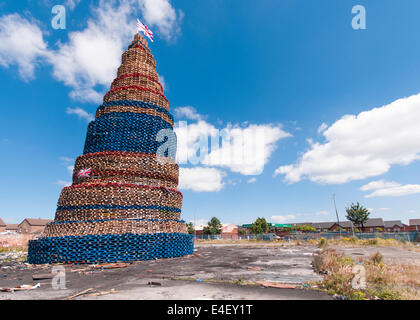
(78, 294)
(277, 285)
(306, 285)
(199, 280)
(148, 270)
(42, 276)
(79, 270)
(255, 269)
(101, 293)
(23, 287)
(110, 265)
(151, 283)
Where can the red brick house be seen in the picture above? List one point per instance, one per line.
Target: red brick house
(12, 227)
(230, 231)
(2, 226)
(414, 225)
(394, 226)
(33, 225)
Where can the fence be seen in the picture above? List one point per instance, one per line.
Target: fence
(413, 236)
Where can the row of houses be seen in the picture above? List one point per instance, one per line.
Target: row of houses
(229, 231)
(371, 225)
(27, 226)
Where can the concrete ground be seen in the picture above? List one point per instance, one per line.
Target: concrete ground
(216, 267)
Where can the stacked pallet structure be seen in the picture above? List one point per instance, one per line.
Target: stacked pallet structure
(123, 204)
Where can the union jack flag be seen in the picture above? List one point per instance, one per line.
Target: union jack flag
(142, 27)
(84, 173)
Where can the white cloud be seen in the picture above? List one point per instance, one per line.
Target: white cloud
(384, 209)
(379, 184)
(249, 148)
(252, 180)
(63, 183)
(322, 127)
(71, 4)
(70, 169)
(187, 112)
(162, 82)
(82, 114)
(88, 61)
(362, 146)
(243, 149)
(201, 179)
(389, 189)
(21, 44)
(161, 14)
(282, 219)
(322, 213)
(66, 159)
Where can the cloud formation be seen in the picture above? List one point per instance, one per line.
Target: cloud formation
(382, 188)
(362, 146)
(282, 219)
(201, 179)
(242, 149)
(188, 113)
(81, 113)
(21, 44)
(87, 62)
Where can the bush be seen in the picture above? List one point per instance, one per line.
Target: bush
(322, 242)
(376, 258)
(372, 242)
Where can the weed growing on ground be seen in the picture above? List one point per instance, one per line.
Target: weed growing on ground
(386, 282)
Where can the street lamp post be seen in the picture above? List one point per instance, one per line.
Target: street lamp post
(336, 213)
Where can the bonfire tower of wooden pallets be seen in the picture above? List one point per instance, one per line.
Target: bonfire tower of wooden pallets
(123, 204)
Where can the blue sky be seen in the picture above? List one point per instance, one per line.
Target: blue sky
(330, 98)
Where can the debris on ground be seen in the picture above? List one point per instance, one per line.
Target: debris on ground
(255, 269)
(23, 287)
(110, 265)
(78, 294)
(101, 293)
(277, 285)
(151, 283)
(42, 276)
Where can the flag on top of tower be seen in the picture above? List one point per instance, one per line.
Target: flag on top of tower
(142, 27)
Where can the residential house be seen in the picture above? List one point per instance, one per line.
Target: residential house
(393, 226)
(35, 226)
(230, 231)
(2, 226)
(12, 227)
(414, 225)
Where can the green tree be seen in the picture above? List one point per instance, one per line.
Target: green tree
(242, 232)
(214, 226)
(259, 226)
(191, 229)
(357, 214)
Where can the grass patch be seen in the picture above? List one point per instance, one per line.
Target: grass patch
(386, 282)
